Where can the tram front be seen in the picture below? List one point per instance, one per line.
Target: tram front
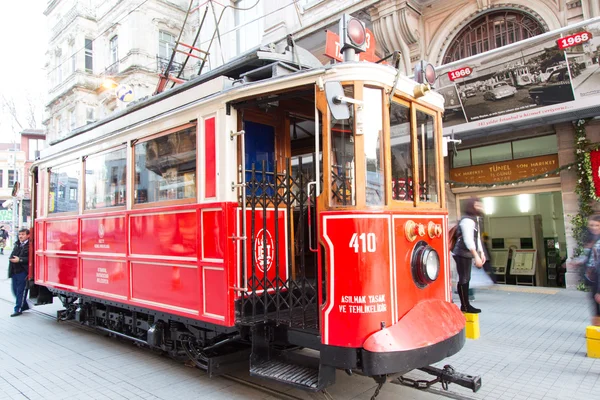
(386, 299)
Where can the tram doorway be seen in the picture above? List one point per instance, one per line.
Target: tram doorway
(525, 237)
(278, 153)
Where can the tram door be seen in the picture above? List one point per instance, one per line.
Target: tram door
(39, 294)
(281, 262)
(260, 149)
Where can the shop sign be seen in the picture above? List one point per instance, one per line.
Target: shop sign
(6, 215)
(505, 171)
(547, 77)
(332, 47)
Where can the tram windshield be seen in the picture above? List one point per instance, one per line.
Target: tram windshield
(401, 152)
(361, 146)
(373, 146)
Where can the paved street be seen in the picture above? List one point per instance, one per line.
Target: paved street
(532, 346)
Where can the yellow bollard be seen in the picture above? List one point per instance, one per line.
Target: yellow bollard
(472, 328)
(592, 335)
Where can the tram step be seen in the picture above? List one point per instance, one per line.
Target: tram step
(296, 375)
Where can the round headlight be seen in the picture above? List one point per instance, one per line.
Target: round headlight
(432, 265)
(425, 264)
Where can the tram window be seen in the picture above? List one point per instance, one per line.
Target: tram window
(105, 177)
(427, 156)
(64, 189)
(401, 153)
(373, 125)
(165, 167)
(343, 189)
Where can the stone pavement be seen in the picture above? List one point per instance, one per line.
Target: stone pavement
(532, 346)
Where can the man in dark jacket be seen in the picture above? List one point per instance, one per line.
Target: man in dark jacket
(18, 270)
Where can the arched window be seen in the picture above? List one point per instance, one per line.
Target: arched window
(492, 30)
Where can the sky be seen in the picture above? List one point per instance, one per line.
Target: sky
(23, 46)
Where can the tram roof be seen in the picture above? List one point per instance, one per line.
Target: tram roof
(224, 81)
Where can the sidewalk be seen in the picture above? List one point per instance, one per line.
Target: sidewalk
(532, 346)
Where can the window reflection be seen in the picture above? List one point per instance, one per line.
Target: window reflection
(373, 126)
(342, 158)
(165, 167)
(105, 180)
(401, 153)
(64, 189)
(427, 158)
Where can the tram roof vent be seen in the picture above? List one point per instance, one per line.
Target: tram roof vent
(268, 71)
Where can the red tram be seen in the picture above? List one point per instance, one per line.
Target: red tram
(268, 207)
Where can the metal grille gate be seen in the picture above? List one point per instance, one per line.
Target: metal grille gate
(290, 298)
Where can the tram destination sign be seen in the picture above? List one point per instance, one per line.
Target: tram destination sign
(548, 77)
(505, 170)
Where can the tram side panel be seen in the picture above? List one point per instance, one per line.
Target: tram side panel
(173, 259)
(359, 277)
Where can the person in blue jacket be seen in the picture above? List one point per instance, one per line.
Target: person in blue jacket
(18, 269)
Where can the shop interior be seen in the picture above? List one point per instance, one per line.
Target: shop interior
(525, 238)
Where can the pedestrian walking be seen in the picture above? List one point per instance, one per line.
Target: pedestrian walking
(18, 270)
(468, 250)
(3, 238)
(590, 261)
(487, 265)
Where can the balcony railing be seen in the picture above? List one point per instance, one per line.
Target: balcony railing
(112, 69)
(162, 63)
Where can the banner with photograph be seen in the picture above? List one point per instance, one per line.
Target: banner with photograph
(553, 73)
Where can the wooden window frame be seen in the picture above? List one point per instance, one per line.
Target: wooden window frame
(131, 168)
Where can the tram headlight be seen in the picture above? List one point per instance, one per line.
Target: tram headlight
(432, 265)
(425, 264)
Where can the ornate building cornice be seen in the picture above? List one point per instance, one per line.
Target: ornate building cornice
(396, 24)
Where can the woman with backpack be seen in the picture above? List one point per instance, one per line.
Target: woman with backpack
(468, 250)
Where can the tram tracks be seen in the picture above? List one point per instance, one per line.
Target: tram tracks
(232, 378)
(237, 379)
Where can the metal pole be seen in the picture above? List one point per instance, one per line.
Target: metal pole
(15, 208)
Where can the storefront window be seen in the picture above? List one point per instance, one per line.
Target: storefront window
(401, 153)
(373, 126)
(166, 167)
(427, 158)
(64, 189)
(105, 178)
(462, 158)
(491, 153)
(343, 175)
(539, 146)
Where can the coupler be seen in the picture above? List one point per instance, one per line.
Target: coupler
(445, 376)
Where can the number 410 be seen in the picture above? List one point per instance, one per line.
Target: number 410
(365, 243)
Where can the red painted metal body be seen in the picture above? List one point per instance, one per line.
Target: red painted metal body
(175, 259)
(180, 259)
(370, 287)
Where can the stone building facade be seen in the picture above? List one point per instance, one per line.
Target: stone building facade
(430, 30)
(434, 30)
(91, 42)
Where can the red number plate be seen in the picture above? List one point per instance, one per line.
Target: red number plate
(573, 40)
(460, 73)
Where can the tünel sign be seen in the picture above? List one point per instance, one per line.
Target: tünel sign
(505, 171)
